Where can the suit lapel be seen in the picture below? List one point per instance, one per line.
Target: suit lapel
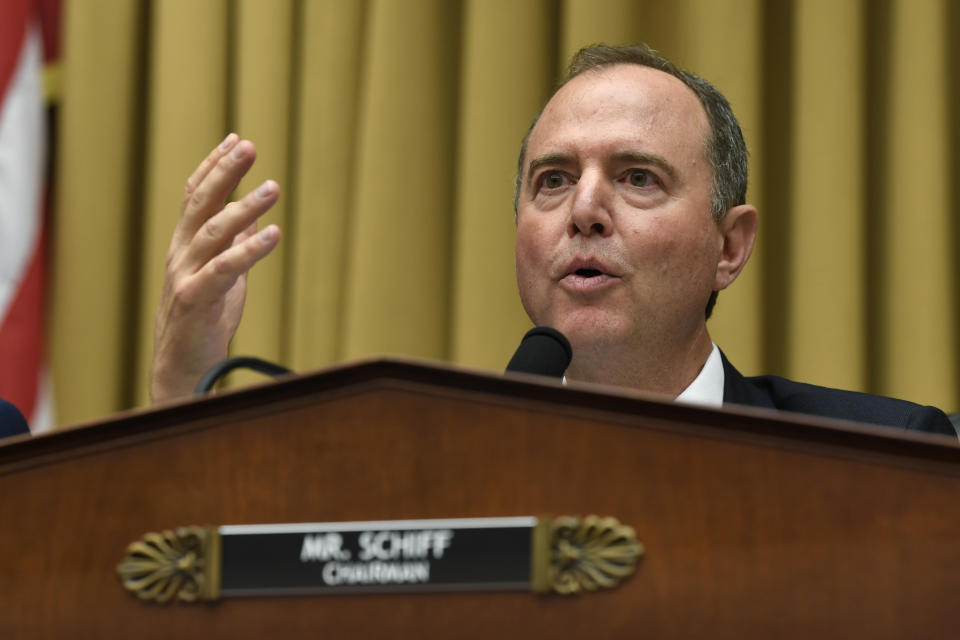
(739, 390)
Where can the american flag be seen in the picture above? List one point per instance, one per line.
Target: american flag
(27, 42)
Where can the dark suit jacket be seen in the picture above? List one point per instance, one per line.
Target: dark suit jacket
(12, 422)
(774, 392)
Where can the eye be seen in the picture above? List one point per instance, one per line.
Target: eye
(553, 180)
(641, 178)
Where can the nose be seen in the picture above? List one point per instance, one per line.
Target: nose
(590, 207)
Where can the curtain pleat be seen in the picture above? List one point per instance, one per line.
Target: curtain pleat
(262, 65)
(918, 272)
(398, 276)
(321, 192)
(588, 22)
(97, 222)
(506, 74)
(825, 333)
(393, 129)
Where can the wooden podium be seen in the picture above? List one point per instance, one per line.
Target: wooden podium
(755, 524)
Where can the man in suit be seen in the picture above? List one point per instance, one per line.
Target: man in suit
(631, 216)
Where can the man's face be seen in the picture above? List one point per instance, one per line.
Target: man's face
(616, 243)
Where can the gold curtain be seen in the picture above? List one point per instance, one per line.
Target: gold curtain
(393, 126)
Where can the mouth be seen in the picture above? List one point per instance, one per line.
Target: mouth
(586, 275)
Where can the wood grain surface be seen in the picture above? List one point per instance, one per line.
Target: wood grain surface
(755, 524)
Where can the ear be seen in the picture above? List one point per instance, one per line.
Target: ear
(738, 229)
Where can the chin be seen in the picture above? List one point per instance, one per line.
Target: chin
(594, 330)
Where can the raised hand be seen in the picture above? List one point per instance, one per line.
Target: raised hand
(213, 247)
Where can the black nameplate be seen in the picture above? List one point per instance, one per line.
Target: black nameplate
(400, 555)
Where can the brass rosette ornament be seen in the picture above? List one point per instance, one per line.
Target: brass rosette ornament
(576, 555)
(182, 564)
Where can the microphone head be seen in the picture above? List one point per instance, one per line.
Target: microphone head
(543, 351)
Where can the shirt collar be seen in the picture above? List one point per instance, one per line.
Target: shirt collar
(707, 388)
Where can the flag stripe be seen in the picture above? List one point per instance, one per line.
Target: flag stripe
(22, 208)
(14, 16)
(21, 338)
(21, 169)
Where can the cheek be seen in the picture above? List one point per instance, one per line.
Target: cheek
(528, 261)
(655, 245)
(522, 251)
(533, 244)
(524, 259)
(673, 253)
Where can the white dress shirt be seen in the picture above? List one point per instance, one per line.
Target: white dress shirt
(707, 388)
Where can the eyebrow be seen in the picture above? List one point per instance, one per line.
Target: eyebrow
(622, 157)
(648, 158)
(548, 159)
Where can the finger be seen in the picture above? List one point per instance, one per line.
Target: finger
(208, 196)
(201, 171)
(221, 231)
(221, 273)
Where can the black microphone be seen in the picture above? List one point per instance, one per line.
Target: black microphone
(544, 351)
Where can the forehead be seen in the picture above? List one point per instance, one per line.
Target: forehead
(619, 106)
